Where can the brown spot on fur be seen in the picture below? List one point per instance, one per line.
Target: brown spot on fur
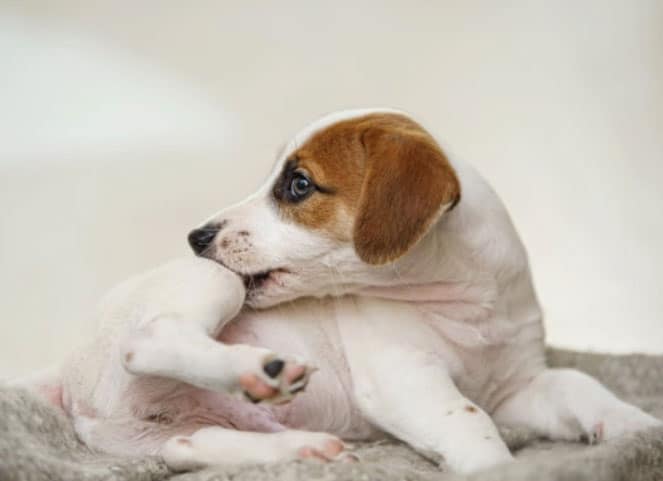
(225, 243)
(128, 357)
(243, 233)
(384, 182)
(183, 441)
(470, 409)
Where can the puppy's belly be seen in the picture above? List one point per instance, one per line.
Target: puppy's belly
(327, 404)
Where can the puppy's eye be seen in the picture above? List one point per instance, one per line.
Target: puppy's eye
(300, 187)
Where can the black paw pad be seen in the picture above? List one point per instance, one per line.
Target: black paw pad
(273, 368)
(254, 400)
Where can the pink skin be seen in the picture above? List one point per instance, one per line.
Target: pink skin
(184, 409)
(331, 451)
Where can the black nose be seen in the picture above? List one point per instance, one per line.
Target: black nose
(200, 239)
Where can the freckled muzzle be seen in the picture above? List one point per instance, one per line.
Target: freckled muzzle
(202, 238)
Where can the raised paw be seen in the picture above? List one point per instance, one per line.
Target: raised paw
(280, 380)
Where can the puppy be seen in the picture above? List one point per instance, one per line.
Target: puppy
(368, 254)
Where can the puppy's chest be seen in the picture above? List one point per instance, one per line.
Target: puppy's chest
(485, 357)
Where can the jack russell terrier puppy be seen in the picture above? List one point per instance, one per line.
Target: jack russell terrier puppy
(370, 254)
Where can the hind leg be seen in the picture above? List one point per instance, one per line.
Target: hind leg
(189, 446)
(178, 349)
(565, 404)
(172, 316)
(215, 445)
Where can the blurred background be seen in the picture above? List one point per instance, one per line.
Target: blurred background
(124, 124)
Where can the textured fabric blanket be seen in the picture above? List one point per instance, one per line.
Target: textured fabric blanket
(37, 443)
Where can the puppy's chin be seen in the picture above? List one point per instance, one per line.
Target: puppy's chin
(281, 287)
(271, 288)
(264, 299)
(274, 294)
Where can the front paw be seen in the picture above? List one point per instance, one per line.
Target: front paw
(278, 381)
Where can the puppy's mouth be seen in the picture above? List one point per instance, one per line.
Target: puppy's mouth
(258, 280)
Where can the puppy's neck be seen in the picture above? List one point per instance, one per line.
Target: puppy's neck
(431, 293)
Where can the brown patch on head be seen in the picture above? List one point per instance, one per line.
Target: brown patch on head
(333, 160)
(470, 409)
(381, 180)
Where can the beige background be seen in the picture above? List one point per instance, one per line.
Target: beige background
(123, 124)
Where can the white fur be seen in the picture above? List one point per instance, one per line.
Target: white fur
(206, 446)
(426, 348)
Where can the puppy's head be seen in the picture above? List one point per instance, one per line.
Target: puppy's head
(351, 194)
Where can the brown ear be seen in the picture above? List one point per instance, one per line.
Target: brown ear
(407, 182)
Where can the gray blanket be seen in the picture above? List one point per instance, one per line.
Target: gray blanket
(36, 443)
